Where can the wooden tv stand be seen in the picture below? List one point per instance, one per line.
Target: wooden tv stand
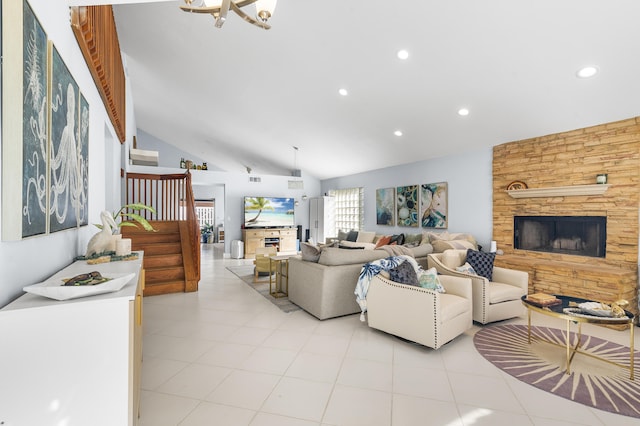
(283, 238)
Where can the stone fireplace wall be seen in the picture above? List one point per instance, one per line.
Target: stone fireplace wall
(568, 159)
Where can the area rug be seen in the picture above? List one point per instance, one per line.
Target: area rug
(245, 273)
(592, 382)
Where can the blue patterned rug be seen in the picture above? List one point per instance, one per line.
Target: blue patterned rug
(592, 382)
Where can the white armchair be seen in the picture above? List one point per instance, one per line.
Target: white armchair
(418, 314)
(492, 300)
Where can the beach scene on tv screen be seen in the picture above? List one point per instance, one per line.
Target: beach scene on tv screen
(268, 211)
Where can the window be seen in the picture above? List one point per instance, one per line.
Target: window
(206, 212)
(349, 208)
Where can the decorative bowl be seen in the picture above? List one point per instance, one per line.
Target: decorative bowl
(55, 288)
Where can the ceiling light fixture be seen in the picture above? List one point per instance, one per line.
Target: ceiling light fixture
(587, 72)
(463, 112)
(343, 92)
(398, 133)
(219, 9)
(403, 54)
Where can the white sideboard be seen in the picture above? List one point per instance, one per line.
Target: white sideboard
(74, 362)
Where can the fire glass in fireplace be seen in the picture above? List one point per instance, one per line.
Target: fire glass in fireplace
(577, 235)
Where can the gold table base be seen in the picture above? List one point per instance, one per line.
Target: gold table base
(571, 350)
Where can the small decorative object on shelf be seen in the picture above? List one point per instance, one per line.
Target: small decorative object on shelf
(105, 241)
(516, 184)
(204, 166)
(183, 164)
(601, 178)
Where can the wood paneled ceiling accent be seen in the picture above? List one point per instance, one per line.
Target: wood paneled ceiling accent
(95, 30)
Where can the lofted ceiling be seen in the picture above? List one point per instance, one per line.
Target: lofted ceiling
(243, 97)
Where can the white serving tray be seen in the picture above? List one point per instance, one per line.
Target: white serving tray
(54, 288)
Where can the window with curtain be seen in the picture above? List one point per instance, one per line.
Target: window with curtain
(349, 208)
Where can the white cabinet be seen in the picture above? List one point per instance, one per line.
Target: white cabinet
(74, 362)
(322, 222)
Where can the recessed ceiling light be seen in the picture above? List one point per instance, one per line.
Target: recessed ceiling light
(403, 54)
(463, 111)
(398, 133)
(587, 72)
(343, 92)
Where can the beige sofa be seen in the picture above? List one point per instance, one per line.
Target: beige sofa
(326, 289)
(418, 314)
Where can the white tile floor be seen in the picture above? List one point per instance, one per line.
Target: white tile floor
(226, 356)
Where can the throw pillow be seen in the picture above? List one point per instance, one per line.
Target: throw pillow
(467, 269)
(414, 239)
(352, 236)
(481, 262)
(383, 241)
(442, 245)
(310, 253)
(349, 247)
(429, 279)
(404, 274)
(342, 235)
(365, 237)
(398, 239)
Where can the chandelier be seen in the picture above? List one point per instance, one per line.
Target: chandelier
(219, 9)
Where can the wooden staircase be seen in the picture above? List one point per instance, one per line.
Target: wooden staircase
(172, 251)
(163, 260)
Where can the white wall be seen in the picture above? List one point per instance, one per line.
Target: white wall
(237, 186)
(168, 155)
(470, 182)
(34, 259)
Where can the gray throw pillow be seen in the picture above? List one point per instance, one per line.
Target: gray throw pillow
(404, 274)
(310, 253)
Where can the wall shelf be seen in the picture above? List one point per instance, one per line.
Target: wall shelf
(559, 191)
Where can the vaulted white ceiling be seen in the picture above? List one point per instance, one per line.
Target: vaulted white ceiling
(240, 96)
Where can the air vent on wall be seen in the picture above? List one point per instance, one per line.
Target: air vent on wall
(296, 184)
(254, 179)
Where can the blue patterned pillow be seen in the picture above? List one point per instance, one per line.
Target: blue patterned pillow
(481, 262)
(404, 274)
(466, 268)
(429, 279)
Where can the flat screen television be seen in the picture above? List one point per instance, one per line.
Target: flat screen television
(268, 212)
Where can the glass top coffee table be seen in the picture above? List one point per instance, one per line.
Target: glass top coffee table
(568, 311)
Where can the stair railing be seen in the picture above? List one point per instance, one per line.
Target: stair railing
(172, 197)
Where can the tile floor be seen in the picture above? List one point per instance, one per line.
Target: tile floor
(226, 356)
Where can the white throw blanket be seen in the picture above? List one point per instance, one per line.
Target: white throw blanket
(370, 270)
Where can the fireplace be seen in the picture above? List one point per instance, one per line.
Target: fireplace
(576, 235)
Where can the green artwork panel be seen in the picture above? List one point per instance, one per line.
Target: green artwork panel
(385, 206)
(34, 125)
(407, 205)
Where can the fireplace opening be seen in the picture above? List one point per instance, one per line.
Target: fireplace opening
(577, 235)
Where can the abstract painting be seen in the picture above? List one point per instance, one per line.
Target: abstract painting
(407, 205)
(433, 205)
(385, 206)
(34, 125)
(68, 161)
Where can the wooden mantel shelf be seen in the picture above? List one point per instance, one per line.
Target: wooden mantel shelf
(559, 191)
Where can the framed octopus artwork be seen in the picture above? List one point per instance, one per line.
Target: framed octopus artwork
(45, 136)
